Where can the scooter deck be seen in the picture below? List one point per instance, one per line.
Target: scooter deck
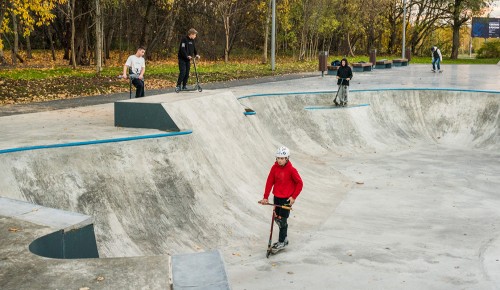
(196, 88)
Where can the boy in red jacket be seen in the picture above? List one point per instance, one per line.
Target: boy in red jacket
(287, 184)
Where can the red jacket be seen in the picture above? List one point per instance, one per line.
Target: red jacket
(285, 181)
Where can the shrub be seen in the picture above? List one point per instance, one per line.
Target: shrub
(489, 49)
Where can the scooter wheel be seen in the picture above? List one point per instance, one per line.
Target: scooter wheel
(177, 89)
(200, 89)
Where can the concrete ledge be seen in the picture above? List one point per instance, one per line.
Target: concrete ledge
(362, 66)
(400, 62)
(199, 271)
(44, 216)
(332, 70)
(381, 64)
(21, 223)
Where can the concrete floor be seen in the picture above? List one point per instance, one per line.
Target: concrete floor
(400, 194)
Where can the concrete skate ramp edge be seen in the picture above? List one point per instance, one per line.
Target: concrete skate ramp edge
(198, 192)
(94, 142)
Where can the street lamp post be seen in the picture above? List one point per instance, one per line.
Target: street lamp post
(273, 36)
(404, 29)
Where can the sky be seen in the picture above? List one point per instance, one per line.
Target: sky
(496, 9)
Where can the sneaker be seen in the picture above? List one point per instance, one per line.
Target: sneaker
(433, 70)
(184, 88)
(280, 245)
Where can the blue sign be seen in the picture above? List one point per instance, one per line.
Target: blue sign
(485, 27)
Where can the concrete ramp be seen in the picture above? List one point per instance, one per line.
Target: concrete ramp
(139, 114)
(154, 112)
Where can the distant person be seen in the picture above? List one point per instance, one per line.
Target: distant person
(286, 184)
(437, 58)
(136, 66)
(344, 75)
(187, 49)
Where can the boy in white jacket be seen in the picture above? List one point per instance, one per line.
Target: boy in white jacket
(437, 57)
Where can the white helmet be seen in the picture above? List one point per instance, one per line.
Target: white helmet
(283, 152)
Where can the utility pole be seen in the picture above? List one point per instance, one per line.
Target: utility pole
(273, 37)
(404, 29)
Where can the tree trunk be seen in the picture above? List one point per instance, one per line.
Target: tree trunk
(226, 31)
(109, 41)
(391, 46)
(68, 36)
(98, 36)
(3, 7)
(51, 42)
(456, 42)
(81, 23)
(174, 16)
(72, 16)
(146, 28)
(28, 48)
(456, 29)
(349, 45)
(266, 33)
(15, 47)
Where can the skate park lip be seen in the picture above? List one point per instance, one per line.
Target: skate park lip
(94, 142)
(354, 246)
(368, 90)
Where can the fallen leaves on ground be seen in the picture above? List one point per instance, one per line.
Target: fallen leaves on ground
(29, 91)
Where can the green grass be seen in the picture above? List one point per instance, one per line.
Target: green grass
(36, 84)
(213, 71)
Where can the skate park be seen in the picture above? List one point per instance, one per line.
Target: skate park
(400, 193)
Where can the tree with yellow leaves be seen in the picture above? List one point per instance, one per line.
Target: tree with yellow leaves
(28, 13)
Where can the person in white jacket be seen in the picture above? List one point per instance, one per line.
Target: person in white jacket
(136, 66)
(437, 58)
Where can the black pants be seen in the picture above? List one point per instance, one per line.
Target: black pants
(184, 66)
(281, 217)
(139, 87)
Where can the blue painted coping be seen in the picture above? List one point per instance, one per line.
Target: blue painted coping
(93, 142)
(250, 113)
(369, 90)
